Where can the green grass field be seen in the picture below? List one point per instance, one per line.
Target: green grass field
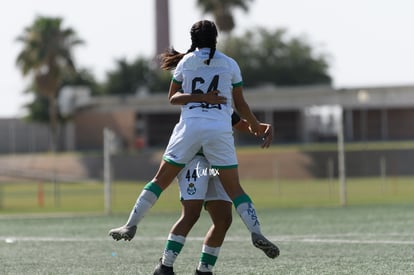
(89, 198)
(68, 234)
(322, 240)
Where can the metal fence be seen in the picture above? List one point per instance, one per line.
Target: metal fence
(20, 136)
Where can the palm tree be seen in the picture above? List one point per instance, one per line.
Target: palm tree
(221, 10)
(47, 56)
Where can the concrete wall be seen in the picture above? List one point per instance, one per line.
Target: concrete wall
(89, 128)
(380, 124)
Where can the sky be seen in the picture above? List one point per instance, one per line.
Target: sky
(369, 43)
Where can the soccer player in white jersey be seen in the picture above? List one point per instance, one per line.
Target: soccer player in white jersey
(205, 122)
(199, 185)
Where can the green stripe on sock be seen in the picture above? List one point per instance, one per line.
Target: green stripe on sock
(208, 259)
(154, 188)
(241, 199)
(174, 246)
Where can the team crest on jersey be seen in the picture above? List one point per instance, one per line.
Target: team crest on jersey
(191, 190)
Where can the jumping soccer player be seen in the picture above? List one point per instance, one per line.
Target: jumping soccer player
(210, 81)
(199, 184)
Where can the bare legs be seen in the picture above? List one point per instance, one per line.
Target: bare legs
(166, 174)
(147, 198)
(221, 215)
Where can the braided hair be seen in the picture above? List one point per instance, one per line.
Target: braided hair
(203, 35)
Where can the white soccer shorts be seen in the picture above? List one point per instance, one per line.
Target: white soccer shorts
(213, 136)
(198, 181)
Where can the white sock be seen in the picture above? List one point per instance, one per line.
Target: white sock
(172, 248)
(208, 258)
(144, 202)
(248, 215)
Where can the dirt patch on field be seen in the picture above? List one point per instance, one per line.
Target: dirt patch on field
(274, 165)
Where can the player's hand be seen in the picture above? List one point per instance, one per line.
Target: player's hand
(213, 97)
(256, 130)
(268, 134)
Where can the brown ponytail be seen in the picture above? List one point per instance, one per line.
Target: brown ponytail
(170, 58)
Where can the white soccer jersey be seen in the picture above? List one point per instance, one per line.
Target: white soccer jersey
(222, 74)
(202, 125)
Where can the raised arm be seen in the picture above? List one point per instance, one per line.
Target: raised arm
(243, 109)
(267, 129)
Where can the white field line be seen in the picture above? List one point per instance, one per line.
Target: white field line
(343, 241)
(328, 239)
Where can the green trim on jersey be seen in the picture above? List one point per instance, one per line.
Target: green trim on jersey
(176, 81)
(237, 84)
(224, 167)
(173, 162)
(244, 198)
(154, 188)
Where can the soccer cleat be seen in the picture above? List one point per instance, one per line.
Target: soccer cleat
(161, 269)
(259, 241)
(124, 232)
(198, 272)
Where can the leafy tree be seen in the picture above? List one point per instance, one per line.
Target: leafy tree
(128, 78)
(82, 77)
(38, 108)
(159, 81)
(222, 11)
(47, 56)
(271, 57)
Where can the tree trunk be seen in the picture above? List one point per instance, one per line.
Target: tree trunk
(162, 25)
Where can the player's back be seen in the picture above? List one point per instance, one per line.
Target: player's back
(198, 77)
